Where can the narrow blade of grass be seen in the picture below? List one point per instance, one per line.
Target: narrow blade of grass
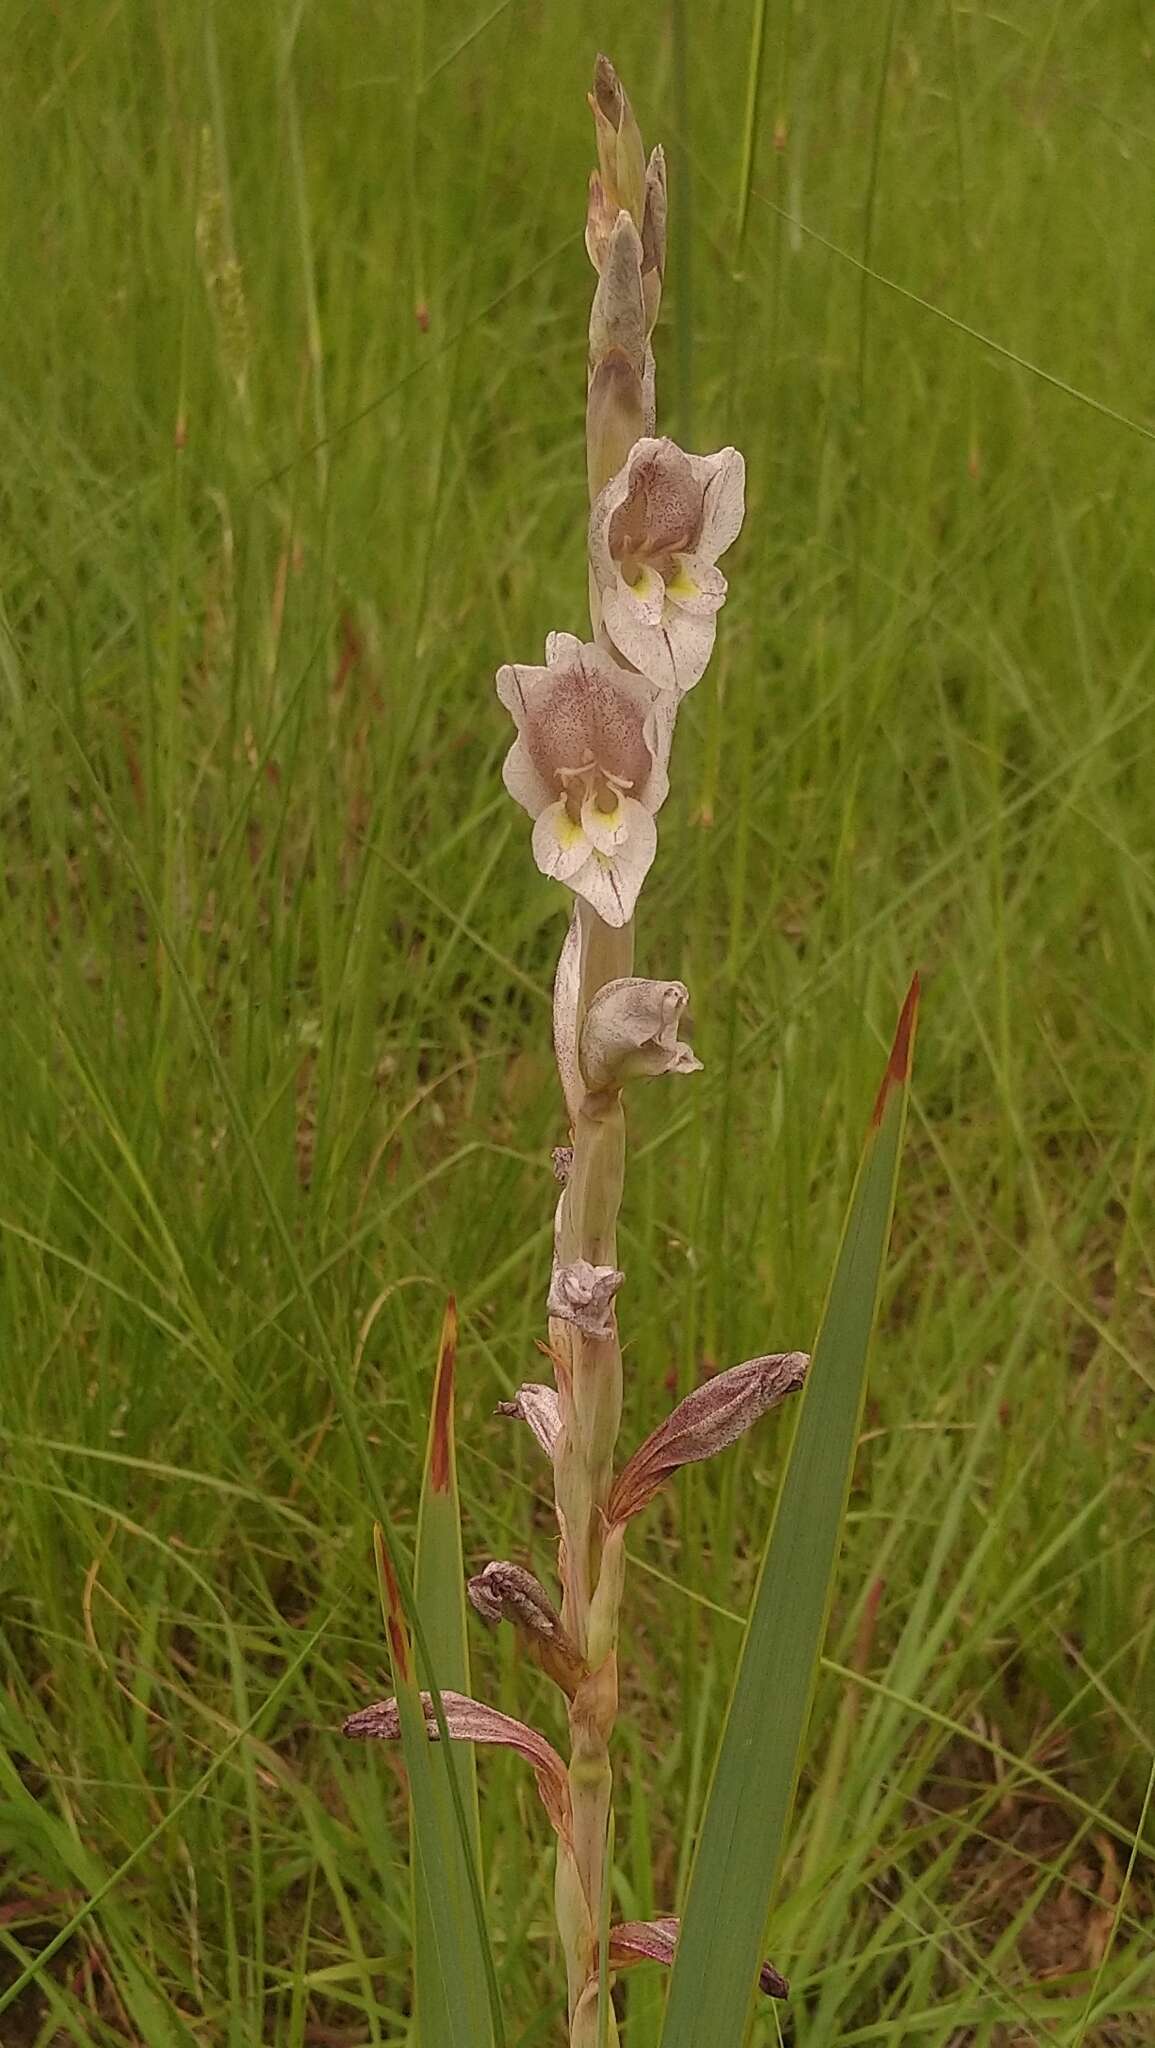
(756, 1769)
(461, 2017)
(439, 1586)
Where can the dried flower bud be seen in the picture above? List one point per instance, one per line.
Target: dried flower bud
(539, 1406)
(505, 1592)
(621, 155)
(631, 1030)
(654, 1941)
(583, 1294)
(469, 1721)
(709, 1419)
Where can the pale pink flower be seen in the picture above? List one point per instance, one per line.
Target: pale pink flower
(589, 764)
(656, 532)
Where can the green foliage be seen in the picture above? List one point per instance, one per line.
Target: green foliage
(747, 1812)
(249, 624)
(439, 1589)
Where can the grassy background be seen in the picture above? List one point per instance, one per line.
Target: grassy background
(292, 335)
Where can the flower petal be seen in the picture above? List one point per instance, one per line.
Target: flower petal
(672, 654)
(525, 785)
(696, 586)
(605, 830)
(631, 1029)
(507, 1592)
(611, 887)
(644, 597)
(723, 479)
(566, 1002)
(583, 1294)
(560, 847)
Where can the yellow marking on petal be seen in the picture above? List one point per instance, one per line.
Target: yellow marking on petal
(682, 586)
(567, 830)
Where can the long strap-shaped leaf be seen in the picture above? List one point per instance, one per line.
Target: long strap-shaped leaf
(454, 1941)
(439, 1586)
(756, 1770)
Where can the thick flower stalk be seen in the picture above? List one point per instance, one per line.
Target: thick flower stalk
(590, 765)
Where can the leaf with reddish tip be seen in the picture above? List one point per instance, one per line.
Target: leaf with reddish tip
(471, 1721)
(439, 1575)
(654, 1941)
(898, 1065)
(747, 1816)
(712, 1417)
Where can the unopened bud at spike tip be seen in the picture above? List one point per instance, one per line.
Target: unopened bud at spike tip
(621, 154)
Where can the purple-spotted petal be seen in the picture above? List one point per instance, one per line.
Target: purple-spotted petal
(695, 586)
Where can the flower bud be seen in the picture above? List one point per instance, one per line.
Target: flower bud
(621, 155)
(618, 314)
(654, 236)
(631, 1030)
(505, 1592)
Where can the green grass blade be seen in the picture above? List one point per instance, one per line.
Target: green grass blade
(756, 1770)
(461, 2017)
(439, 1587)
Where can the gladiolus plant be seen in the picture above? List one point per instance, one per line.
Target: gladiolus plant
(590, 763)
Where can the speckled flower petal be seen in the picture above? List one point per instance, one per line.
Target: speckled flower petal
(612, 887)
(723, 478)
(560, 846)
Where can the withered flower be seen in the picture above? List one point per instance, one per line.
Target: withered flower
(709, 1419)
(507, 1592)
(469, 1721)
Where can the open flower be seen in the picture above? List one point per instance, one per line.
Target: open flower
(589, 764)
(656, 531)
